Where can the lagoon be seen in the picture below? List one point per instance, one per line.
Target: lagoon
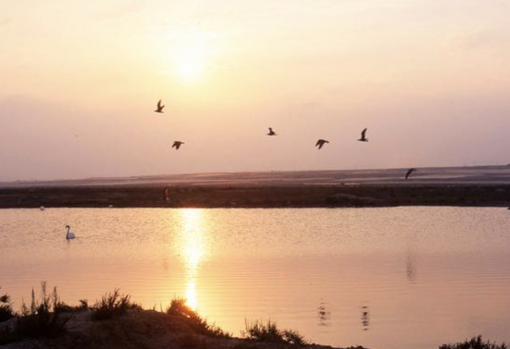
(402, 277)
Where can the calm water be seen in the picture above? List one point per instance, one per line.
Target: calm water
(382, 278)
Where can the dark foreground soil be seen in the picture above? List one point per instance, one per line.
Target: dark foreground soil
(138, 329)
(497, 195)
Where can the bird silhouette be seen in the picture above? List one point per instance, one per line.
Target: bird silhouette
(69, 235)
(363, 136)
(320, 143)
(271, 132)
(159, 107)
(177, 145)
(411, 170)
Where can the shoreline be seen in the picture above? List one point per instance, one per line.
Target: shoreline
(257, 196)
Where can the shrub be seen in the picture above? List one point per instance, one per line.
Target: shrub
(43, 318)
(66, 308)
(6, 311)
(271, 333)
(474, 343)
(179, 309)
(112, 305)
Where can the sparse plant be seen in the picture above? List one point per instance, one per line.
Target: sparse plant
(43, 318)
(6, 312)
(475, 343)
(113, 305)
(66, 308)
(270, 333)
(180, 309)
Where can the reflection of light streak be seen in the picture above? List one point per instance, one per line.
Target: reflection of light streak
(192, 250)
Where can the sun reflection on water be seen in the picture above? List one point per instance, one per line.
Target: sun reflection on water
(192, 250)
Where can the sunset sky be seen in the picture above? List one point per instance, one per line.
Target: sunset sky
(79, 81)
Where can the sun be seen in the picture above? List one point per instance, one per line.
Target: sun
(190, 63)
(191, 54)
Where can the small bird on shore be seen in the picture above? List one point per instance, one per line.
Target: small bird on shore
(363, 136)
(177, 145)
(271, 132)
(69, 235)
(408, 173)
(159, 107)
(320, 143)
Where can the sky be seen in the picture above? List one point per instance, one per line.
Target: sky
(79, 82)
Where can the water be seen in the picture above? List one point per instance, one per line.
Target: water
(383, 278)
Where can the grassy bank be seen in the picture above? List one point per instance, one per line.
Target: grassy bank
(116, 322)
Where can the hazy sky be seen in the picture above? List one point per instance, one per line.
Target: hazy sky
(79, 81)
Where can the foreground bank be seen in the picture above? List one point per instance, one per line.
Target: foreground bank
(117, 322)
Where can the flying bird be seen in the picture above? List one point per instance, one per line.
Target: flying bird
(271, 132)
(159, 107)
(363, 136)
(177, 145)
(320, 143)
(411, 170)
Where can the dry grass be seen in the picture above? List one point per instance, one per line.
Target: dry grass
(43, 317)
(475, 343)
(6, 312)
(270, 333)
(112, 305)
(178, 308)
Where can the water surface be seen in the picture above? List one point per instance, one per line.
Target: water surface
(382, 278)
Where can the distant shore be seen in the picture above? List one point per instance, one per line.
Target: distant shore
(454, 186)
(232, 196)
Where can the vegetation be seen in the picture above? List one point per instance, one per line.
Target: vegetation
(66, 308)
(112, 305)
(47, 316)
(6, 311)
(179, 309)
(474, 343)
(272, 334)
(43, 318)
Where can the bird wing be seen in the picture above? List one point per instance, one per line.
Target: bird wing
(363, 133)
(318, 142)
(159, 104)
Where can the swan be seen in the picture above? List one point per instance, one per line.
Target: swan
(69, 235)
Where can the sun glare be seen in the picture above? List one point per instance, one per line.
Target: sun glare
(192, 250)
(191, 53)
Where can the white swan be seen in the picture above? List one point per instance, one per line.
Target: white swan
(70, 235)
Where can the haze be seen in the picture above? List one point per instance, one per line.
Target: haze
(79, 81)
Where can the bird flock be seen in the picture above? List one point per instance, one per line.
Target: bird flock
(319, 144)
